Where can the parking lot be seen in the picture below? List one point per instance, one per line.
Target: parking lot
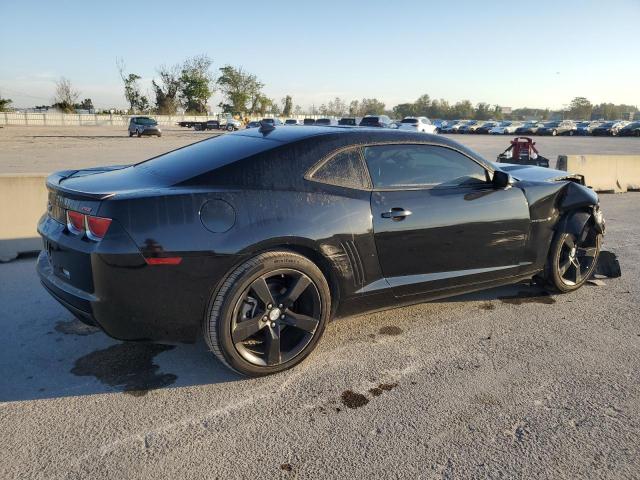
(506, 383)
(46, 149)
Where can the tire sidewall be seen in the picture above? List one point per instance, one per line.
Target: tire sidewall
(230, 297)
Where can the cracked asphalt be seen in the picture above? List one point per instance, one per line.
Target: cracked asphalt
(507, 383)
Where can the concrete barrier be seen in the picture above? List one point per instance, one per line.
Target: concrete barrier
(23, 200)
(604, 173)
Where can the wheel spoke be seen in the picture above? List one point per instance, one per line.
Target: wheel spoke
(569, 242)
(261, 289)
(578, 275)
(298, 320)
(246, 328)
(564, 267)
(272, 345)
(298, 286)
(587, 252)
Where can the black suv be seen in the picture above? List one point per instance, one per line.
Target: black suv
(376, 121)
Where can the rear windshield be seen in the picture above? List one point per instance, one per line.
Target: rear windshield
(289, 122)
(410, 120)
(309, 121)
(198, 158)
(347, 121)
(369, 121)
(323, 121)
(145, 121)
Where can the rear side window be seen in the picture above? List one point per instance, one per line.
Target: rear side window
(427, 166)
(344, 169)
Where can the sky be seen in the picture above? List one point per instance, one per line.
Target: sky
(500, 52)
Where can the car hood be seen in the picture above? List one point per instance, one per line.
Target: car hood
(531, 173)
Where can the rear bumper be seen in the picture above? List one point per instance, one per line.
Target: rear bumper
(110, 285)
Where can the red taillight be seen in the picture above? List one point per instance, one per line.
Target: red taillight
(163, 260)
(75, 222)
(97, 227)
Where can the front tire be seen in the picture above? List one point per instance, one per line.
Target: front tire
(269, 314)
(572, 259)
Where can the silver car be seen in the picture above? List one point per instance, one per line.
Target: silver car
(144, 126)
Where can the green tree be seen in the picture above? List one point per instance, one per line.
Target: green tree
(196, 84)
(86, 104)
(166, 89)
(463, 109)
(4, 104)
(287, 105)
(440, 109)
(371, 106)
(483, 111)
(404, 110)
(239, 88)
(421, 106)
(580, 108)
(137, 101)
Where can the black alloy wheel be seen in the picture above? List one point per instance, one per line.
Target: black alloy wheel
(276, 317)
(269, 314)
(573, 258)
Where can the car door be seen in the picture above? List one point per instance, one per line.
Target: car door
(439, 222)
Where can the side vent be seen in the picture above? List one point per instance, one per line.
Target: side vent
(353, 255)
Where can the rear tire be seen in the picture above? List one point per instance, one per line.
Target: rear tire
(572, 259)
(269, 314)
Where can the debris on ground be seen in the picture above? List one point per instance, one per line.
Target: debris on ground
(607, 266)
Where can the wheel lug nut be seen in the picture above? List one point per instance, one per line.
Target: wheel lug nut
(280, 306)
(282, 316)
(273, 324)
(269, 306)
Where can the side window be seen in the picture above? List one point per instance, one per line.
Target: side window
(344, 169)
(400, 166)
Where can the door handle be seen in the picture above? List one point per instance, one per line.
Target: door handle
(396, 214)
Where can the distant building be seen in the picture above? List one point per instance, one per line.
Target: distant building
(506, 110)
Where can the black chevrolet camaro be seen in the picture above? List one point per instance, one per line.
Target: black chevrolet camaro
(256, 239)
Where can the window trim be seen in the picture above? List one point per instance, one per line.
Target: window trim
(361, 146)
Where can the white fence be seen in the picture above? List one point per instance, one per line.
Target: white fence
(56, 119)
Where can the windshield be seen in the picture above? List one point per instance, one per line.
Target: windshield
(552, 124)
(410, 120)
(145, 121)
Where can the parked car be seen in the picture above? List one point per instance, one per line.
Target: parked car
(609, 128)
(185, 124)
(167, 263)
(349, 121)
(470, 126)
(382, 121)
(586, 127)
(291, 121)
(529, 128)
(417, 124)
(273, 121)
(558, 127)
(505, 128)
(485, 127)
(452, 126)
(326, 121)
(630, 130)
(309, 121)
(253, 124)
(140, 126)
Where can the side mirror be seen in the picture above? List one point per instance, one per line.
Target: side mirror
(502, 179)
